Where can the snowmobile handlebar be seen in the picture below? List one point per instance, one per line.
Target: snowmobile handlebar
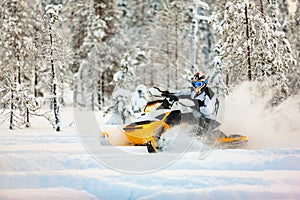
(162, 92)
(172, 97)
(167, 94)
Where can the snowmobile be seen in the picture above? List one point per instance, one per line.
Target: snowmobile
(165, 112)
(158, 116)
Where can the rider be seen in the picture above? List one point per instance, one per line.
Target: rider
(206, 103)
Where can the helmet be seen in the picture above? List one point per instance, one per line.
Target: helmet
(199, 82)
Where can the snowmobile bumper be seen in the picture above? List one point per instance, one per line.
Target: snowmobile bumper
(233, 141)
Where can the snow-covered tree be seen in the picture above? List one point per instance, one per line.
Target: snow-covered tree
(139, 99)
(122, 80)
(196, 19)
(91, 29)
(252, 46)
(89, 83)
(124, 76)
(90, 77)
(217, 81)
(188, 38)
(291, 26)
(75, 15)
(171, 17)
(133, 21)
(37, 58)
(52, 18)
(296, 44)
(120, 108)
(279, 15)
(16, 65)
(204, 37)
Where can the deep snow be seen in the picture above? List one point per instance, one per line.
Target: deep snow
(56, 166)
(39, 163)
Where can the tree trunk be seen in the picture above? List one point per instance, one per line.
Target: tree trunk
(19, 68)
(82, 90)
(168, 59)
(143, 13)
(93, 96)
(61, 97)
(75, 92)
(193, 39)
(102, 88)
(27, 118)
(11, 120)
(262, 7)
(248, 45)
(55, 103)
(176, 50)
(152, 73)
(35, 81)
(99, 94)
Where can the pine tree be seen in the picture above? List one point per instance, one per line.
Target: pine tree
(217, 81)
(37, 58)
(91, 26)
(290, 23)
(134, 25)
(90, 51)
(171, 17)
(294, 73)
(15, 55)
(121, 95)
(253, 47)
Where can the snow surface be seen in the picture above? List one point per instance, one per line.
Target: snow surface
(39, 163)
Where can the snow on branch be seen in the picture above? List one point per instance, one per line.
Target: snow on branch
(201, 4)
(205, 18)
(52, 11)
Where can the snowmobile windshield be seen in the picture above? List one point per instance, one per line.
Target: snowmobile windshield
(199, 83)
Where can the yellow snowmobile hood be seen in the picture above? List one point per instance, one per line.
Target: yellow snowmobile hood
(143, 132)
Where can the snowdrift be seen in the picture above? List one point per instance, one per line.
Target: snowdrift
(39, 163)
(56, 166)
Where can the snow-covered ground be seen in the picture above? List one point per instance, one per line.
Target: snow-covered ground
(39, 163)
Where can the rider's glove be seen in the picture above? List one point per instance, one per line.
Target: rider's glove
(173, 97)
(165, 93)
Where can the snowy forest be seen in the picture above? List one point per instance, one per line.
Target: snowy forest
(79, 53)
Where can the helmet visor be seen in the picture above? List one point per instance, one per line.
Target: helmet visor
(198, 84)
